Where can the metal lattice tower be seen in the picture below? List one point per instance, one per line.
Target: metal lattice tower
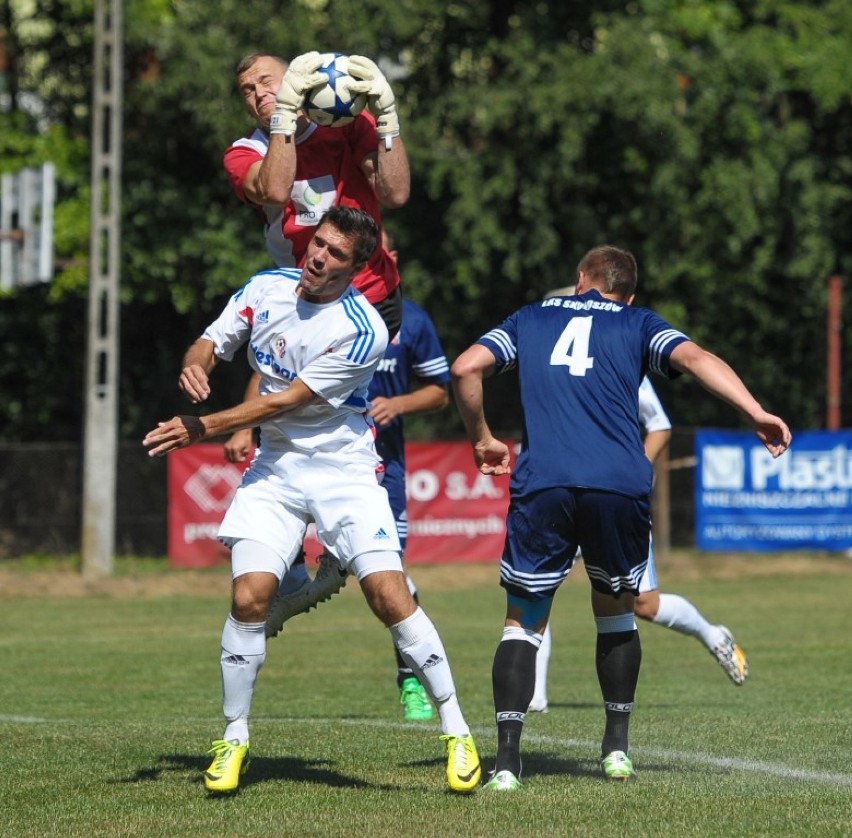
(101, 425)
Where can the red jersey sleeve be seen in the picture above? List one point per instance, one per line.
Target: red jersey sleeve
(237, 162)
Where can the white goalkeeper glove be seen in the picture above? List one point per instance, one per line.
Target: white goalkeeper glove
(381, 103)
(300, 78)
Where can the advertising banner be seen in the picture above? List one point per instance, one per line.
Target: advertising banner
(745, 500)
(455, 513)
(201, 483)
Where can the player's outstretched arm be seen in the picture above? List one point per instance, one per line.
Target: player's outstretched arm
(183, 431)
(655, 442)
(468, 371)
(389, 173)
(270, 180)
(718, 378)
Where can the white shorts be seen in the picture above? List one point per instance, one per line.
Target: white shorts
(282, 491)
(649, 577)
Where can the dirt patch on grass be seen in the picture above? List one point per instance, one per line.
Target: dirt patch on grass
(155, 579)
(40, 584)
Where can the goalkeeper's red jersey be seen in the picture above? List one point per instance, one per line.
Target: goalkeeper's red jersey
(328, 173)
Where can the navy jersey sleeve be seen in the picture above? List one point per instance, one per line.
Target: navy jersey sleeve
(502, 342)
(662, 340)
(426, 354)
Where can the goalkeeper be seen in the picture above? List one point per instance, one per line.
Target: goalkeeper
(292, 171)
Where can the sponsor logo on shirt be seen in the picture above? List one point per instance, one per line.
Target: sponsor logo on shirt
(279, 346)
(312, 199)
(268, 360)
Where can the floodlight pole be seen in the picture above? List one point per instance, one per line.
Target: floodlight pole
(100, 444)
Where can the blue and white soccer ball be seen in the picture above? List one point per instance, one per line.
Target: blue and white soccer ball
(333, 104)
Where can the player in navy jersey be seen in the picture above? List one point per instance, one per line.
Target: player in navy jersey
(671, 611)
(316, 342)
(581, 478)
(668, 610)
(414, 356)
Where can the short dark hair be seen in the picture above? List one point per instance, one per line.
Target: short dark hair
(249, 61)
(357, 225)
(611, 269)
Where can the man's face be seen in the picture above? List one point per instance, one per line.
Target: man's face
(258, 86)
(329, 265)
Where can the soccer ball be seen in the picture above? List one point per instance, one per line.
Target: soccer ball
(333, 104)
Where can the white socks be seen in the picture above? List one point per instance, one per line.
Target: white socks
(243, 654)
(542, 661)
(680, 614)
(421, 647)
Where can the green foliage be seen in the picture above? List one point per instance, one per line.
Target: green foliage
(712, 138)
(678, 130)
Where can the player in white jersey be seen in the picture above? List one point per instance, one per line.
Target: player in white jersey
(315, 341)
(668, 610)
(581, 478)
(413, 377)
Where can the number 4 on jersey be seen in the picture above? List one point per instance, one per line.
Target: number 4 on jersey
(572, 348)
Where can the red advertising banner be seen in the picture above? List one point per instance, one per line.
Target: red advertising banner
(455, 514)
(201, 483)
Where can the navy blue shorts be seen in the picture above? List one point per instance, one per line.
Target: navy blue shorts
(394, 484)
(544, 530)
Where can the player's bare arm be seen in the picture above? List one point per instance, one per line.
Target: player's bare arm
(270, 181)
(198, 362)
(388, 170)
(655, 442)
(424, 399)
(239, 446)
(468, 371)
(718, 378)
(183, 431)
(389, 173)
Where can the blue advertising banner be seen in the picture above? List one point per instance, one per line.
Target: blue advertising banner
(745, 500)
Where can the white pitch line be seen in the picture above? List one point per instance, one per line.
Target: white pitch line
(770, 769)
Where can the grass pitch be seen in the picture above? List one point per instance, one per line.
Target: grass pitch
(111, 695)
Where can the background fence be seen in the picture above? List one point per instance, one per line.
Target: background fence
(41, 498)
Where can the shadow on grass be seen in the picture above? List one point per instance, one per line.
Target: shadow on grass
(262, 769)
(548, 764)
(542, 763)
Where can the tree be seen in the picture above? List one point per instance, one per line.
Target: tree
(712, 138)
(709, 141)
